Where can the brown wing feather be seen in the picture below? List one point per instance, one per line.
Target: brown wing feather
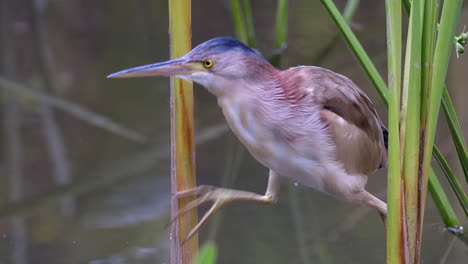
(353, 121)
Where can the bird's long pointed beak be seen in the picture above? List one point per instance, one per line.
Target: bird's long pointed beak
(179, 66)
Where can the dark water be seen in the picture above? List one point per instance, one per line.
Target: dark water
(108, 141)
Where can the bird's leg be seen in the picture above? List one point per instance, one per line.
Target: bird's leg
(374, 202)
(222, 196)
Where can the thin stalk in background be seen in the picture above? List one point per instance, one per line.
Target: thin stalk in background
(239, 21)
(442, 201)
(453, 181)
(13, 141)
(348, 13)
(182, 137)
(234, 156)
(357, 48)
(456, 131)
(249, 23)
(54, 138)
(136, 164)
(281, 24)
(243, 21)
(73, 109)
(281, 32)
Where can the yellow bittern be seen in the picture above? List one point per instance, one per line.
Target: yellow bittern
(306, 123)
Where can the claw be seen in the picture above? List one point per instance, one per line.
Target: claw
(199, 190)
(204, 191)
(207, 215)
(193, 204)
(219, 197)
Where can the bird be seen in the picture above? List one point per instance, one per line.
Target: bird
(306, 123)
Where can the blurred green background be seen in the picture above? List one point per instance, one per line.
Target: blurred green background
(89, 157)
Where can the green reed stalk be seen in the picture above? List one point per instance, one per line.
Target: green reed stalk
(410, 116)
(443, 48)
(433, 85)
(239, 21)
(249, 22)
(357, 48)
(396, 241)
(281, 24)
(377, 80)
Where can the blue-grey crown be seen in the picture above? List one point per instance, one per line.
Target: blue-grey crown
(223, 44)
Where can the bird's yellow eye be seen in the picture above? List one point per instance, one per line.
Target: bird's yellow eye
(207, 63)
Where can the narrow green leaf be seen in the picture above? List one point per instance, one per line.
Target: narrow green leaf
(456, 131)
(447, 106)
(350, 9)
(442, 203)
(281, 32)
(452, 179)
(281, 24)
(356, 46)
(428, 57)
(249, 23)
(368, 66)
(239, 21)
(444, 44)
(427, 48)
(407, 5)
(448, 22)
(348, 14)
(208, 254)
(411, 118)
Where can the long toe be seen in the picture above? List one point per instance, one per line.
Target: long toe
(219, 197)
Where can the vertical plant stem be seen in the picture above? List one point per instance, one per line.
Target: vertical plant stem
(299, 225)
(239, 21)
(376, 79)
(444, 44)
(396, 241)
(13, 143)
(429, 32)
(249, 23)
(410, 112)
(182, 137)
(54, 138)
(431, 11)
(281, 24)
(280, 32)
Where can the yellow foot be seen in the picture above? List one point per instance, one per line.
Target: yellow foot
(219, 197)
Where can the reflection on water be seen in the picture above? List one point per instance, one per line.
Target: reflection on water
(112, 136)
(139, 201)
(131, 255)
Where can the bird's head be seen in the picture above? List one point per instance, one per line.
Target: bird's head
(215, 64)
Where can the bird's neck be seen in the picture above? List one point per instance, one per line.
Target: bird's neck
(267, 85)
(258, 83)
